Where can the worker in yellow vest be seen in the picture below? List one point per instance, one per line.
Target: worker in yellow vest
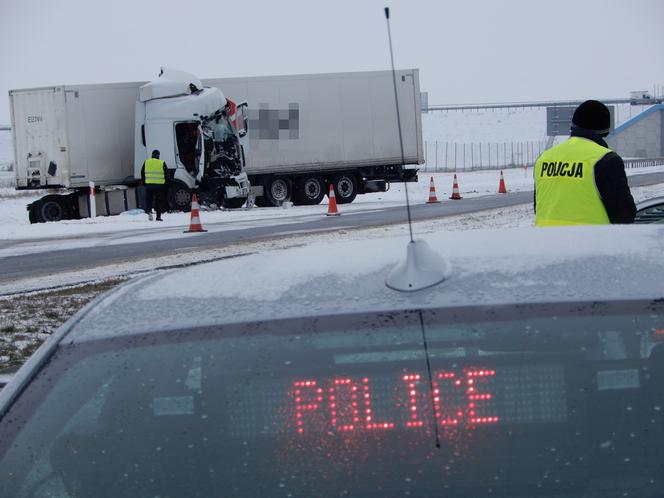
(155, 175)
(582, 181)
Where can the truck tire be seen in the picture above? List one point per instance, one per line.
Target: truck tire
(309, 190)
(49, 208)
(235, 203)
(32, 213)
(277, 191)
(179, 197)
(345, 188)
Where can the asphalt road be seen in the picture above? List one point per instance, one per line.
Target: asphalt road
(51, 262)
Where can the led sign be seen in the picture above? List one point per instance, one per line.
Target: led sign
(384, 400)
(346, 403)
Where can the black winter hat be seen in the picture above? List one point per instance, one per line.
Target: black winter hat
(155, 154)
(593, 115)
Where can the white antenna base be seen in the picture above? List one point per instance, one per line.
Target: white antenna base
(423, 268)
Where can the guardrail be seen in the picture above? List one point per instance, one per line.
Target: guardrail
(643, 163)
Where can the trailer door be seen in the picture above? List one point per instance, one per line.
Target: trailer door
(40, 138)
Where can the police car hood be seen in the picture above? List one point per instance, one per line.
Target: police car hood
(485, 267)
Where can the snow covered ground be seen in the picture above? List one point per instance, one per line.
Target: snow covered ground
(520, 216)
(14, 224)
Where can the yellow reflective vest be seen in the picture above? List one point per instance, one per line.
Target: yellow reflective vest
(154, 172)
(565, 190)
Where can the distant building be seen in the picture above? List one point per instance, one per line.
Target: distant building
(641, 136)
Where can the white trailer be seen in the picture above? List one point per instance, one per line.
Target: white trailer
(307, 131)
(66, 136)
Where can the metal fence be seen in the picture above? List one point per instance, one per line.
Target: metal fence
(455, 156)
(644, 163)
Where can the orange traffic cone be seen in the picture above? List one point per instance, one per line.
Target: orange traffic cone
(501, 185)
(195, 223)
(332, 206)
(455, 190)
(432, 193)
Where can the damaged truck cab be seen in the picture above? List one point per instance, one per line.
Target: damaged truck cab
(190, 126)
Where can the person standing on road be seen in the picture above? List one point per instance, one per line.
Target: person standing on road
(582, 181)
(154, 175)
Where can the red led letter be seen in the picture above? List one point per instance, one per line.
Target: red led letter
(473, 377)
(448, 413)
(368, 412)
(411, 381)
(344, 407)
(308, 397)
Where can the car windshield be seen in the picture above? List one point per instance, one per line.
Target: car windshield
(563, 401)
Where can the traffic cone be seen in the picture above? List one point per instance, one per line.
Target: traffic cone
(501, 185)
(332, 206)
(432, 193)
(455, 190)
(195, 223)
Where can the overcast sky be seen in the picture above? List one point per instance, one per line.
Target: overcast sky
(466, 50)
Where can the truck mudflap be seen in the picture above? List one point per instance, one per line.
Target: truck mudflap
(241, 189)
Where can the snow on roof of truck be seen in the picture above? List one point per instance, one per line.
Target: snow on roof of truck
(170, 83)
(487, 267)
(203, 103)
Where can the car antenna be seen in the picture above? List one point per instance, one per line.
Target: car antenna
(423, 266)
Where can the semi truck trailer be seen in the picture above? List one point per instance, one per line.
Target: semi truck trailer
(298, 135)
(68, 136)
(309, 131)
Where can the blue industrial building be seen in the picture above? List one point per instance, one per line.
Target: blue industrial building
(641, 136)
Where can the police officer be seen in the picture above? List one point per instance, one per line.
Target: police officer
(154, 175)
(582, 181)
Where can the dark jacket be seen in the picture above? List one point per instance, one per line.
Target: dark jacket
(166, 173)
(611, 182)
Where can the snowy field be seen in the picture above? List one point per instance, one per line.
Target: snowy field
(499, 125)
(6, 152)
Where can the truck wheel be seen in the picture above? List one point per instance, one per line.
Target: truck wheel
(234, 203)
(49, 208)
(179, 197)
(345, 188)
(310, 190)
(277, 191)
(32, 214)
